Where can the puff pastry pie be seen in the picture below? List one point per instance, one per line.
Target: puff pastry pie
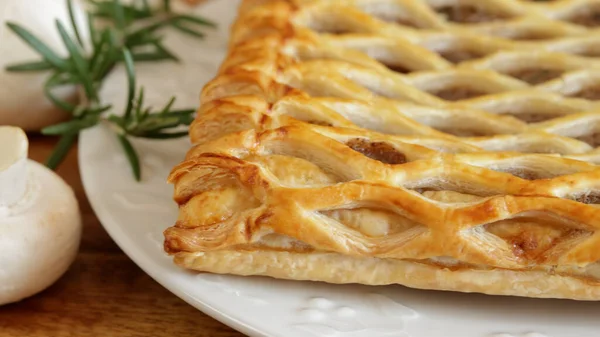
(437, 144)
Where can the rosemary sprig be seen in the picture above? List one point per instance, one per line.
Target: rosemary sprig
(117, 33)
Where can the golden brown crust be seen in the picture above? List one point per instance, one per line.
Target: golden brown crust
(328, 142)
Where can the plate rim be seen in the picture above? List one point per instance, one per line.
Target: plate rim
(144, 262)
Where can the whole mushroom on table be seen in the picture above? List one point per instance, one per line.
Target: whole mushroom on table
(40, 225)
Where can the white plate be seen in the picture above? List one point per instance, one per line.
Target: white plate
(135, 215)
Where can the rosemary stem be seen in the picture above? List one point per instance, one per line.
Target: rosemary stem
(144, 24)
(118, 33)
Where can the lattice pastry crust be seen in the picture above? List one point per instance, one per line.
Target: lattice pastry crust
(438, 144)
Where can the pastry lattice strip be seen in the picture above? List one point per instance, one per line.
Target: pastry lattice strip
(309, 76)
(509, 19)
(371, 216)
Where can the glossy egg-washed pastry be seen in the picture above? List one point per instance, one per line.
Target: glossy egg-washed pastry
(437, 144)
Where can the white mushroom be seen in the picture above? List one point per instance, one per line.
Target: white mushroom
(40, 225)
(22, 100)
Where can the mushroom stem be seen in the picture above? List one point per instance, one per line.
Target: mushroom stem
(13, 165)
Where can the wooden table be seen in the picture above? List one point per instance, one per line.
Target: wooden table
(104, 293)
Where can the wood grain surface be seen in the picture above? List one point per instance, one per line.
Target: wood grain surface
(104, 293)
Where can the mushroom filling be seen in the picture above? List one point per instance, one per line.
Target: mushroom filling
(406, 22)
(460, 55)
(468, 14)
(379, 151)
(589, 18)
(457, 93)
(533, 117)
(589, 198)
(317, 122)
(529, 35)
(530, 237)
(535, 76)
(398, 68)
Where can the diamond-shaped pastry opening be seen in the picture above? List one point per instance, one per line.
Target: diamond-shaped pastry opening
(397, 67)
(458, 54)
(585, 15)
(535, 75)
(318, 122)
(458, 92)
(464, 83)
(537, 235)
(294, 171)
(405, 21)
(466, 130)
(375, 222)
(532, 116)
(380, 151)
(469, 13)
(532, 68)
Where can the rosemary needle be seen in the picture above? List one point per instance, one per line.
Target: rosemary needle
(127, 34)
